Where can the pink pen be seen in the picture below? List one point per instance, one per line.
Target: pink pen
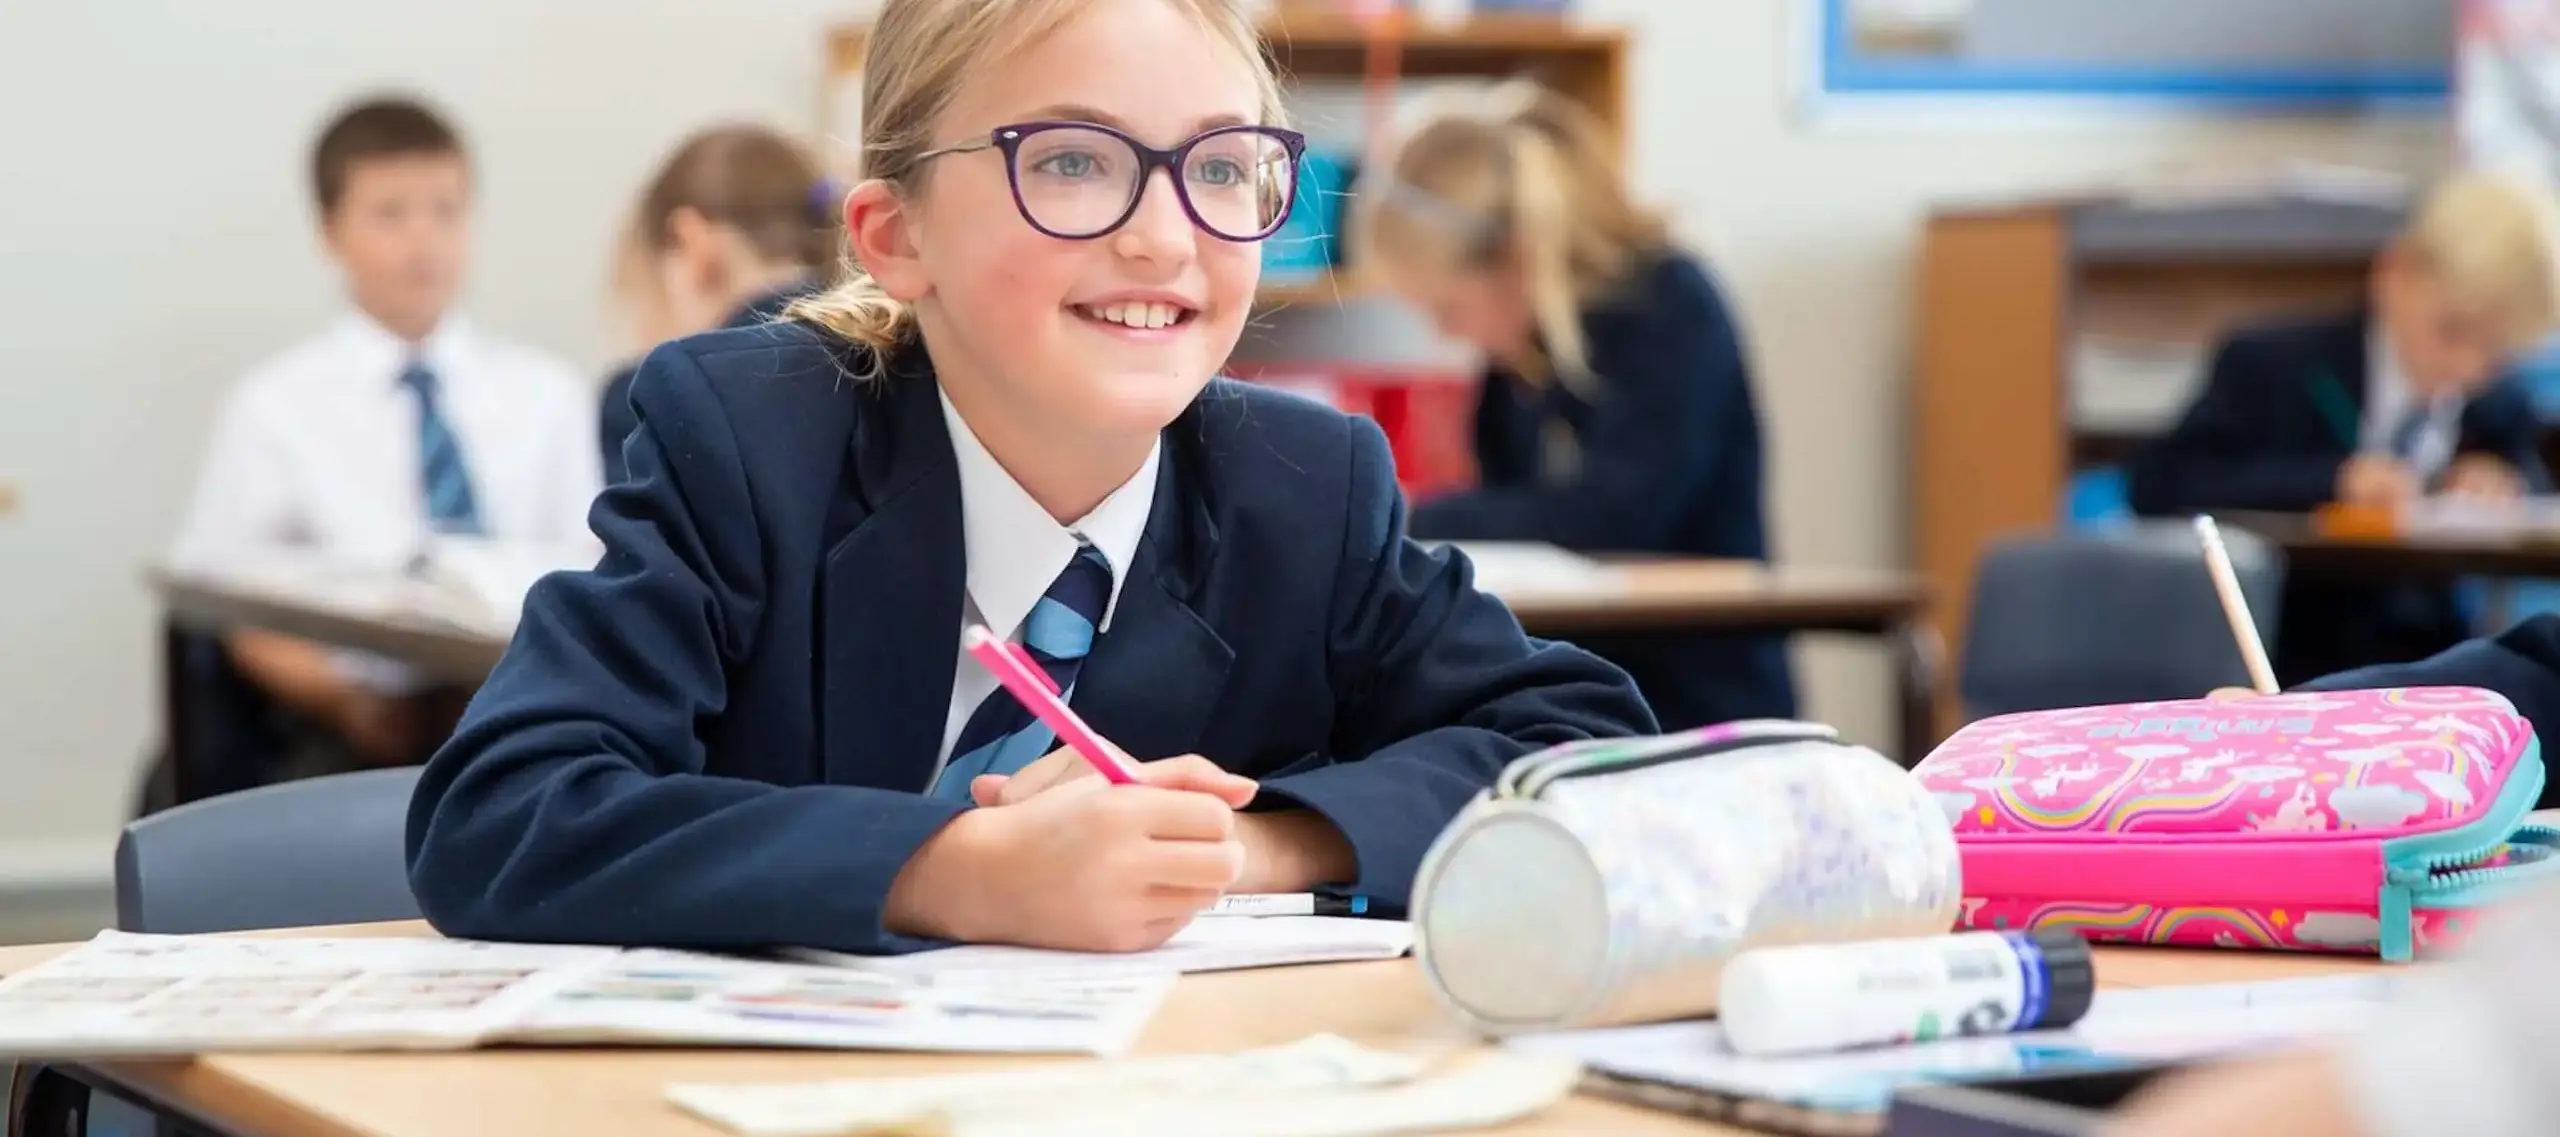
(1013, 668)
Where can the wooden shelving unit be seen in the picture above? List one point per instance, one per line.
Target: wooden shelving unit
(1310, 43)
(2006, 294)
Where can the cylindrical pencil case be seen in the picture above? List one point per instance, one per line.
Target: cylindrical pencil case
(1607, 881)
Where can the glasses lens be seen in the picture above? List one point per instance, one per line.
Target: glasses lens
(1239, 183)
(1073, 181)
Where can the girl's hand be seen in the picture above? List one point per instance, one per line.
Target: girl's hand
(1086, 866)
(1064, 766)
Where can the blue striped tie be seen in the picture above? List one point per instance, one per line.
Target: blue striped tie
(2412, 427)
(451, 508)
(1002, 735)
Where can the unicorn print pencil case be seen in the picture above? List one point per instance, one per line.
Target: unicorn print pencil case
(2349, 821)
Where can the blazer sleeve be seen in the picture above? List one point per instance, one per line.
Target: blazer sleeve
(2221, 454)
(2504, 423)
(2521, 663)
(615, 422)
(1436, 686)
(571, 804)
(1672, 385)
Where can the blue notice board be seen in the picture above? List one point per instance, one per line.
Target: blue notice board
(2281, 54)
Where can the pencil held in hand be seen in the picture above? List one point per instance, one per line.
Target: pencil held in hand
(2235, 606)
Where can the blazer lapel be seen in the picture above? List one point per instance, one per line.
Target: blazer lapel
(1155, 677)
(2338, 379)
(892, 595)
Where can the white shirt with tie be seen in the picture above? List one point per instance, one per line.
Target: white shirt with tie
(315, 455)
(2388, 401)
(1015, 551)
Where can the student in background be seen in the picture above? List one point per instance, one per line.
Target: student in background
(736, 225)
(2404, 397)
(752, 724)
(1618, 414)
(399, 422)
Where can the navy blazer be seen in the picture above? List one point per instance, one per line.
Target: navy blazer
(616, 418)
(2281, 410)
(1669, 461)
(2521, 663)
(721, 735)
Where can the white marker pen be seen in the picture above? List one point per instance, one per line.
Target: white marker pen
(1823, 997)
(1288, 904)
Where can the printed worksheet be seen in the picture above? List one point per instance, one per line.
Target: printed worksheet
(135, 995)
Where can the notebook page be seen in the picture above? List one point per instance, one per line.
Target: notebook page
(685, 998)
(1219, 943)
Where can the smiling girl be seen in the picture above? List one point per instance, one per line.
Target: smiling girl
(752, 724)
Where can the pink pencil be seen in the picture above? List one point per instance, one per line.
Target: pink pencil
(1013, 668)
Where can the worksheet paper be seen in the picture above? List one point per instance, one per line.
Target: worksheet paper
(135, 995)
(2123, 1028)
(1216, 943)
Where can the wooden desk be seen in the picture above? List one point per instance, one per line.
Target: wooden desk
(1690, 595)
(1665, 596)
(2414, 557)
(543, 1092)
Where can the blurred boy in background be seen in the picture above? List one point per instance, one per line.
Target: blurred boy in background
(2408, 396)
(398, 423)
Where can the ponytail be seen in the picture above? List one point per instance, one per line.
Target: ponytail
(862, 313)
(1541, 237)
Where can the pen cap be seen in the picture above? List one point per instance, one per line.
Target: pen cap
(2071, 975)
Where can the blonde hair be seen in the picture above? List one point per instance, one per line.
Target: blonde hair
(1526, 177)
(2492, 241)
(919, 54)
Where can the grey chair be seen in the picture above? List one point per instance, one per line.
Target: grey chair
(325, 850)
(2118, 615)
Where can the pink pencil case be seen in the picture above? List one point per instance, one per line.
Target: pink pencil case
(2349, 821)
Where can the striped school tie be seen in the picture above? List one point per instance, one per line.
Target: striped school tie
(451, 508)
(1002, 736)
(2412, 428)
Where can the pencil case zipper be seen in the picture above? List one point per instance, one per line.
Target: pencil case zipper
(1528, 777)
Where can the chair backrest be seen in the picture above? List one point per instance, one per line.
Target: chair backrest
(327, 850)
(2117, 615)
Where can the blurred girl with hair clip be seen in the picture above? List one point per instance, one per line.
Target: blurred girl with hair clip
(1617, 414)
(737, 224)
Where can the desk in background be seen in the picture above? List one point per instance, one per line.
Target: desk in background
(1669, 596)
(2511, 555)
(547, 1091)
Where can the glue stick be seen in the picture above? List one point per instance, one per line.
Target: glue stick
(1824, 997)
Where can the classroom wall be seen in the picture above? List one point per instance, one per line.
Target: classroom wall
(156, 239)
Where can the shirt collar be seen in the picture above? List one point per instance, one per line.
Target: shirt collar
(2387, 386)
(376, 350)
(1015, 550)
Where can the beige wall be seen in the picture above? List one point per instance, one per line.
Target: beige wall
(155, 242)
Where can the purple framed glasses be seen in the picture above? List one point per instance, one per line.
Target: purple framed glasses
(1080, 180)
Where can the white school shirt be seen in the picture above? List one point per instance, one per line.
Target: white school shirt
(315, 455)
(1016, 550)
(2388, 396)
